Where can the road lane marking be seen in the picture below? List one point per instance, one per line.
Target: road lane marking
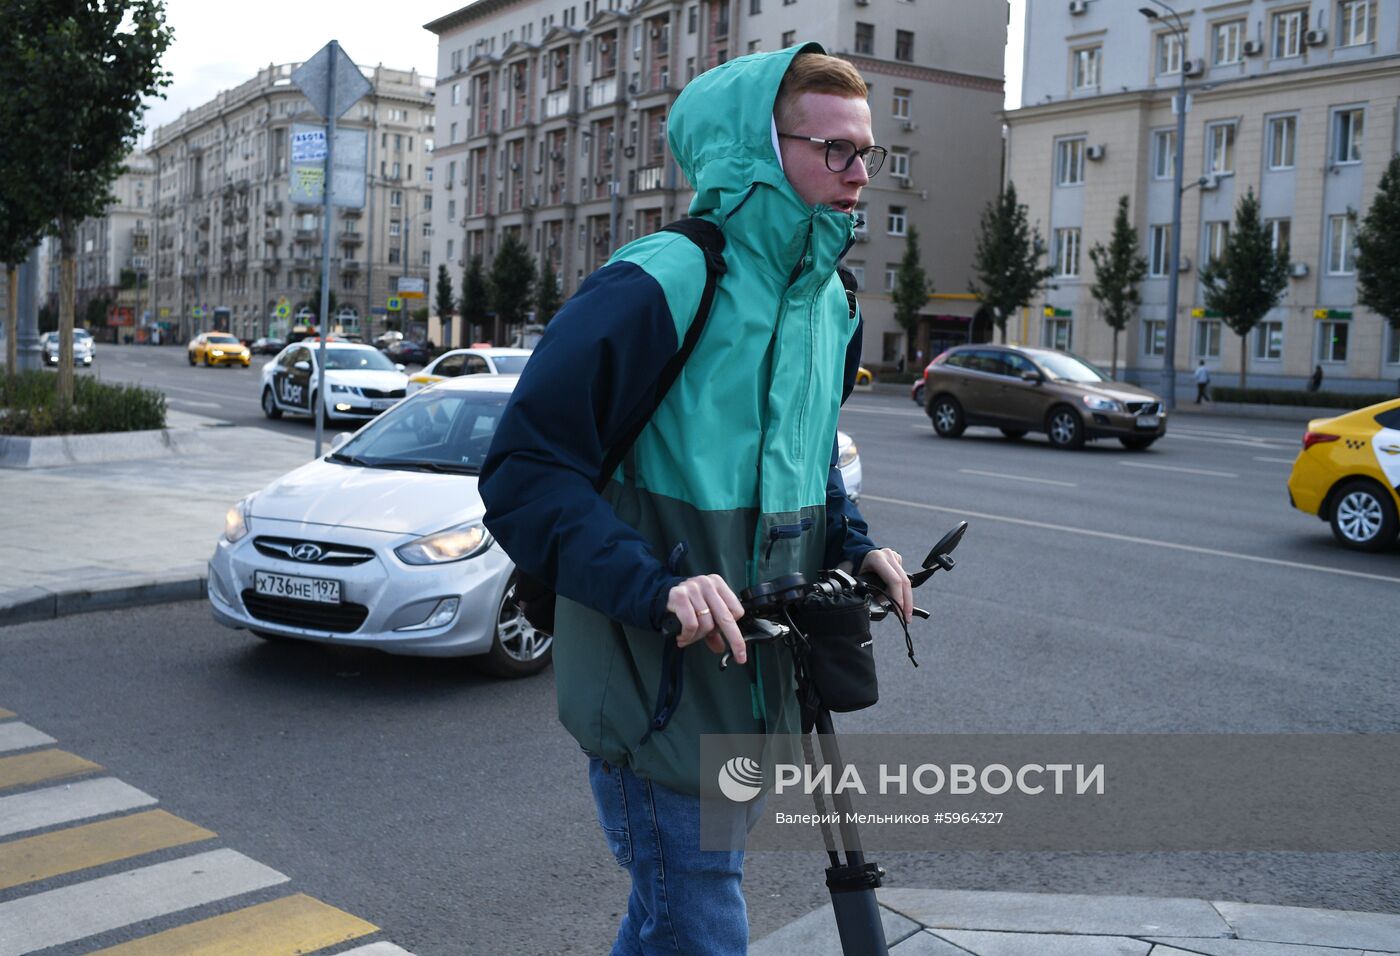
(74, 912)
(43, 765)
(93, 844)
(377, 949)
(1132, 539)
(197, 404)
(6, 714)
(64, 804)
(1039, 481)
(17, 736)
(1276, 461)
(1177, 468)
(292, 924)
(870, 410)
(1261, 444)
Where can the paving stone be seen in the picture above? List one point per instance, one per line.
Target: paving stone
(1243, 947)
(1313, 927)
(924, 943)
(1056, 913)
(815, 935)
(1041, 944)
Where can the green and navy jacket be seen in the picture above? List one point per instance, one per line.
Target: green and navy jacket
(736, 472)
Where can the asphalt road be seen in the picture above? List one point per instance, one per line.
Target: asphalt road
(1172, 590)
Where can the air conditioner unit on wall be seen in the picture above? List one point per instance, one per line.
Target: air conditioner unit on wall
(1096, 151)
(1184, 264)
(1076, 7)
(1253, 47)
(1315, 37)
(862, 3)
(1298, 270)
(1193, 67)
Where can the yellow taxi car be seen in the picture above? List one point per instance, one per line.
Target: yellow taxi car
(1348, 474)
(218, 348)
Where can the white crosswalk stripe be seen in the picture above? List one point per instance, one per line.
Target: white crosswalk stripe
(68, 802)
(16, 736)
(377, 949)
(111, 902)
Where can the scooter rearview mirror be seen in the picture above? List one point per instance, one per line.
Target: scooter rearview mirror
(946, 544)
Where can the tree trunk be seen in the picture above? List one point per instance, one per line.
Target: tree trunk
(12, 320)
(67, 283)
(1114, 369)
(1244, 359)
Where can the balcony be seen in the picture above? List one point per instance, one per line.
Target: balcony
(272, 234)
(273, 208)
(202, 221)
(601, 93)
(272, 264)
(350, 213)
(350, 265)
(556, 103)
(202, 247)
(242, 214)
(351, 238)
(307, 235)
(644, 179)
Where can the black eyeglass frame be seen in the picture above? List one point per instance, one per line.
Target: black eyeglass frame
(878, 151)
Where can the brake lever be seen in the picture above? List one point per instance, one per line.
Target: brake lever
(760, 631)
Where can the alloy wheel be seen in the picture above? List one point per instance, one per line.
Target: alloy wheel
(516, 635)
(1359, 517)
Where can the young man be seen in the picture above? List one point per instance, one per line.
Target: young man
(733, 482)
(1202, 377)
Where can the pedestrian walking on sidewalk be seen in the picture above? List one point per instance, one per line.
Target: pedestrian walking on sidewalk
(1202, 382)
(1315, 380)
(778, 147)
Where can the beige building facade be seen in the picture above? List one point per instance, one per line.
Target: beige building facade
(230, 243)
(1297, 103)
(552, 126)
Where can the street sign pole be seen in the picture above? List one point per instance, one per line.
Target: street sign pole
(323, 326)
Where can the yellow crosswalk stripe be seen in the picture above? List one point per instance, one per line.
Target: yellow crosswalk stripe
(6, 714)
(93, 844)
(40, 766)
(286, 927)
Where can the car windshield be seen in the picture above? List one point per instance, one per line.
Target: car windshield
(362, 359)
(81, 334)
(222, 340)
(433, 431)
(1068, 368)
(510, 364)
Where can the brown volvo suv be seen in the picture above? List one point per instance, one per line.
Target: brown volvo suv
(1022, 389)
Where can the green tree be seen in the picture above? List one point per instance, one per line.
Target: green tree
(511, 282)
(1248, 277)
(1118, 268)
(474, 305)
(80, 70)
(313, 303)
(22, 218)
(1006, 267)
(911, 288)
(1378, 249)
(443, 302)
(548, 297)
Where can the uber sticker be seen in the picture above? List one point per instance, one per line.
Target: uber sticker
(1386, 444)
(291, 392)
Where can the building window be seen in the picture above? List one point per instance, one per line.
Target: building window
(1159, 258)
(1086, 67)
(1217, 237)
(891, 275)
(1154, 337)
(788, 3)
(899, 162)
(1280, 231)
(1341, 240)
(451, 210)
(904, 45)
(456, 93)
(1170, 52)
(1347, 128)
(1229, 40)
(692, 18)
(1067, 252)
(1332, 341)
(395, 197)
(1220, 148)
(1355, 19)
(1289, 26)
(1069, 162)
(1392, 348)
(1208, 338)
(1057, 334)
(1164, 154)
(899, 108)
(865, 38)
(394, 228)
(1283, 131)
(1268, 341)
(755, 7)
(896, 222)
(789, 38)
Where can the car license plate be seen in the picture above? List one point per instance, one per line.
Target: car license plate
(318, 590)
(379, 404)
(1149, 421)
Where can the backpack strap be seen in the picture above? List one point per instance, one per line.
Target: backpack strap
(707, 236)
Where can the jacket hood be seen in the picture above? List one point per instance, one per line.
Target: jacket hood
(721, 133)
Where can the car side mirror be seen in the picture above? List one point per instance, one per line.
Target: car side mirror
(1033, 377)
(400, 366)
(339, 440)
(302, 366)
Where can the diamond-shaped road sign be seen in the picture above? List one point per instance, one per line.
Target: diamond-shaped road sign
(314, 79)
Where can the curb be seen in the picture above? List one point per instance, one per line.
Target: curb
(51, 451)
(40, 604)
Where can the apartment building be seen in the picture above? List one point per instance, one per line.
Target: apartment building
(230, 242)
(112, 258)
(552, 126)
(1296, 101)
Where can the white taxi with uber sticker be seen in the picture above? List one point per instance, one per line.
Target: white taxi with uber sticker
(360, 381)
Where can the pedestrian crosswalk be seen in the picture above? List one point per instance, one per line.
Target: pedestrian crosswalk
(62, 817)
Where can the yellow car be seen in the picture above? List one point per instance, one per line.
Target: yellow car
(218, 348)
(1348, 474)
(863, 376)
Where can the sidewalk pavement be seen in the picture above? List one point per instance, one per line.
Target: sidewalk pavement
(87, 537)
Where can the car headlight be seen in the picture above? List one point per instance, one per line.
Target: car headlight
(1100, 404)
(451, 544)
(848, 455)
(216, 352)
(237, 522)
(349, 389)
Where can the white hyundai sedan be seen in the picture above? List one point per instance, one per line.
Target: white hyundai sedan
(360, 381)
(380, 544)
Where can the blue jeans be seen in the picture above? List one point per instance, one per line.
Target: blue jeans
(684, 900)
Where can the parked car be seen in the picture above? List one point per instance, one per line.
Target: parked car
(84, 350)
(380, 544)
(218, 348)
(848, 461)
(469, 362)
(408, 352)
(362, 382)
(267, 346)
(1021, 390)
(1348, 474)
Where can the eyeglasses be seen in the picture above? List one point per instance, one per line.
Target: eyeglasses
(840, 153)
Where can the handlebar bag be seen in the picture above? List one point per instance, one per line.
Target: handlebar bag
(840, 659)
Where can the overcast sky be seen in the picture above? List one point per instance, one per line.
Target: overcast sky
(219, 46)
